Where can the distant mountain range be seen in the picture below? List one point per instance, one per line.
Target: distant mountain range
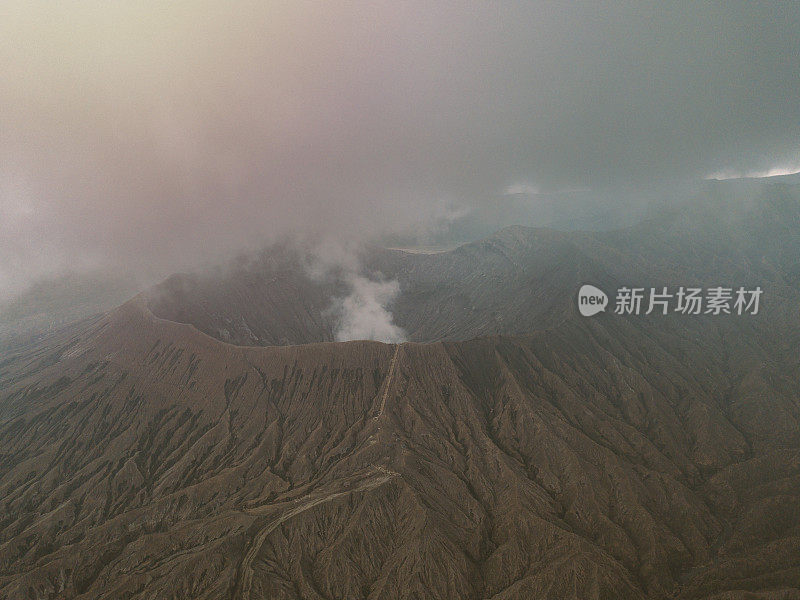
(207, 439)
(53, 302)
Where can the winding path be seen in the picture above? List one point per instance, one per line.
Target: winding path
(379, 478)
(389, 378)
(246, 569)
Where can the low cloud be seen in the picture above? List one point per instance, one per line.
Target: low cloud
(776, 171)
(153, 137)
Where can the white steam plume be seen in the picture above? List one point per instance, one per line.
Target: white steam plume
(363, 314)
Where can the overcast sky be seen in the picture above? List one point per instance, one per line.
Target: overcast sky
(162, 134)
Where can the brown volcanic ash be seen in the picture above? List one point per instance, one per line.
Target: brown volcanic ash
(597, 458)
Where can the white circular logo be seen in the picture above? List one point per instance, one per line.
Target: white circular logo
(591, 300)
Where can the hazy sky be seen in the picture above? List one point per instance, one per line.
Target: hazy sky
(161, 134)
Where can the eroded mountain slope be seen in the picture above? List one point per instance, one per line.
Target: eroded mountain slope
(612, 457)
(609, 458)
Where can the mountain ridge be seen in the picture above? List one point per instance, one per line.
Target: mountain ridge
(641, 457)
(131, 333)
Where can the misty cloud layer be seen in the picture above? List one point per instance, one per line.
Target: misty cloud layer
(152, 137)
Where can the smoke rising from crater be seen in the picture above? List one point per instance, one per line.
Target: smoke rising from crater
(363, 311)
(364, 314)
